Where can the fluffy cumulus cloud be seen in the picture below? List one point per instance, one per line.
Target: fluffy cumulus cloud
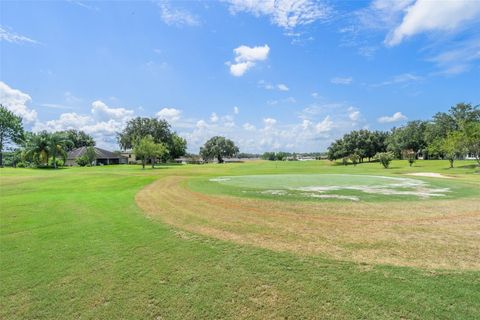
(169, 114)
(103, 112)
(397, 116)
(427, 15)
(269, 122)
(16, 101)
(213, 117)
(102, 123)
(287, 14)
(246, 57)
(313, 129)
(325, 125)
(176, 16)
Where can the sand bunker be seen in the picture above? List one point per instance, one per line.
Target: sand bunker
(429, 174)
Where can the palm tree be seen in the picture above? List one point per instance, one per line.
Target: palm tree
(41, 146)
(36, 147)
(57, 144)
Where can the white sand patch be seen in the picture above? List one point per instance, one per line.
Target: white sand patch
(275, 192)
(330, 196)
(416, 188)
(428, 174)
(219, 179)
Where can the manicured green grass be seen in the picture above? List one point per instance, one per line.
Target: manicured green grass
(75, 245)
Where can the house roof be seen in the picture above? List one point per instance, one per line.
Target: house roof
(101, 153)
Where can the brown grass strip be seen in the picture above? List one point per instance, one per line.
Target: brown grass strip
(427, 234)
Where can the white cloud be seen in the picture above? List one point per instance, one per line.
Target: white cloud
(354, 115)
(269, 122)
(397, 116)
(340, 80)
(246, 53)
(213, 117)
(458, 59)
(16, 101)
(325, 125)
(103, 123)
(269, 86)
(239, 69)
(249, 127)
(177, 17)
(427, 15)
(236, 110)
(101, 111)
(66, 121)
(169, 114)
(9, 36)
(404, 78)
(287, 14)
(245, 58)
(306, 124)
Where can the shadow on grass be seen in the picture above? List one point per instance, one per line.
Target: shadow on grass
(469, 166)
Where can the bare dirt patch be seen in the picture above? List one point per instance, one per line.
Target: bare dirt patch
(428, 234)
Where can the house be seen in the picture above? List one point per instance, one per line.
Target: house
(130, 156)
(103, 156)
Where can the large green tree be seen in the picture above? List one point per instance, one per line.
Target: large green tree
(363, 143)
(409, 137)
(147, 149)
(453, 146)
(78, 138)
(218, 147)
(471, 139)
(11, 129)
(159, 130)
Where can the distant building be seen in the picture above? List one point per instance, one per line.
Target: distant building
(305, 158)
(130, 156)
(103, 156)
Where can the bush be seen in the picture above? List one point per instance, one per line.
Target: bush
(22, 165)
(82, 161)
(354, 158)
(384, 158)
(410, 155)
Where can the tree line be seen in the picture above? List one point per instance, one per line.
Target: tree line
(150, 139)
(448, 135)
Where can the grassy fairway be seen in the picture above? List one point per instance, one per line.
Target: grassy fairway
(74, 244)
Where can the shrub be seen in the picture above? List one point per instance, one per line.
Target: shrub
(410, 155)
(22, 165)
(354, 158)
(384, 158)
(82, 161)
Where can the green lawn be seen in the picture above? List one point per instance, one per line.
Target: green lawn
(75, 245)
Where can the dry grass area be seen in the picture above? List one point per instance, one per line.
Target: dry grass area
(428, 234)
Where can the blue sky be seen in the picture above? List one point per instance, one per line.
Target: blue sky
(272, 75)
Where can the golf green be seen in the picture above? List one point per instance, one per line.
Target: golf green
(324, 187)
